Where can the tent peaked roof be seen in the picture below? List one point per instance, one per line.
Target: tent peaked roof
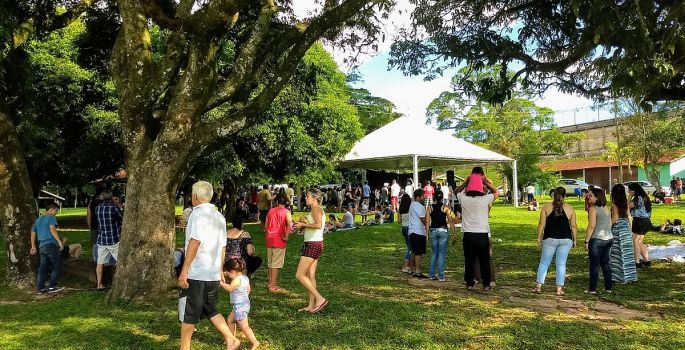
(394, 145)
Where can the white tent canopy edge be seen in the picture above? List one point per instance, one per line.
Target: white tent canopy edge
(407, 143)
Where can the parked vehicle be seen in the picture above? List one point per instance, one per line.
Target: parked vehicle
(571, 185)
(648, 187)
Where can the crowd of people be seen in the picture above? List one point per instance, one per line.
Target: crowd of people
(104, 217)
(431, 217)
(214, 257)
(613, 244)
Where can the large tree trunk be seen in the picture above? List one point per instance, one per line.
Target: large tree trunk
(230, 187)
(17, 206)
(144, 269)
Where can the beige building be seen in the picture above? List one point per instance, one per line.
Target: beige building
(585, 158)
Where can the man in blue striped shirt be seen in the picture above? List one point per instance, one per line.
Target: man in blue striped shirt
(109, 216)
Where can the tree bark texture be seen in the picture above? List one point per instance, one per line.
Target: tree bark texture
(145, 265)
(17, 206)
(230, 187)
(165, 105)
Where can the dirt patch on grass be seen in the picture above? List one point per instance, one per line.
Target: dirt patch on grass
(595, 309)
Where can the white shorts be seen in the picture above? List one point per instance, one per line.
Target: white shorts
(105, 251)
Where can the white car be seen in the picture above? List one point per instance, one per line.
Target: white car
(648, 187)
(571, 185)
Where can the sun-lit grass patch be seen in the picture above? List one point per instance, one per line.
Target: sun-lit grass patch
(373, 305)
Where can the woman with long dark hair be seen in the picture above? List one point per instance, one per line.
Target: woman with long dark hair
(598, 239)
(437, 215)
(556, 235)
(405, 202)
(641, 210)
(622, 253)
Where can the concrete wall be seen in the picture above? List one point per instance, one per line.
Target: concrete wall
(596, 134)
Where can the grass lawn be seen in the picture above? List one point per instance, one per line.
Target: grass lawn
(373, 305)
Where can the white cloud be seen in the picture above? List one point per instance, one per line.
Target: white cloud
(411, 95)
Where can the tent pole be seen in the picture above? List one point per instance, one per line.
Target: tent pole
(515, 185)
(416, 174)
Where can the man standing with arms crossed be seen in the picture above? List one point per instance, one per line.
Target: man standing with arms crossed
(202, 268)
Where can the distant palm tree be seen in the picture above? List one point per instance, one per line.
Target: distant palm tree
(622, 155)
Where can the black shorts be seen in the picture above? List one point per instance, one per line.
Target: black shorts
(418, 244)
(641, 226)
(198, 301)
(65, 252)
(262, 215)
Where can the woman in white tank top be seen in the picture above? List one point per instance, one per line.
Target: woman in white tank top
(312, 249)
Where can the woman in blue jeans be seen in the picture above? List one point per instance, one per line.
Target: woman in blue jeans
(438, 232)
(557, 235)
(405, 202)
(598, 239)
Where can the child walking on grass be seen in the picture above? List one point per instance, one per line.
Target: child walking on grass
(239, 287)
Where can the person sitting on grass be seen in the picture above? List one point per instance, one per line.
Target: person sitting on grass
(239, 287)
(674, 227)
(44, 231)
(388, 215)
(364, 211)
(71, 250)
(346, 222)
(533, 205)
(377, 216)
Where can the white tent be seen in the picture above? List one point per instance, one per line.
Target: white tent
(406, 143)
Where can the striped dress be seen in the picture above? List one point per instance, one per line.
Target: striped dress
(622, 255)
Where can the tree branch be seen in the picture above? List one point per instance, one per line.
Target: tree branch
(159, 16)
(133, 71)
(217, 14)
(244, 65)
(310, 34)
(27, 28)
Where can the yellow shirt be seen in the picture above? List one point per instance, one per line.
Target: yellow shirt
(264, 200)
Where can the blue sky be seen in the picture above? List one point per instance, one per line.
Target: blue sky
(411, 95)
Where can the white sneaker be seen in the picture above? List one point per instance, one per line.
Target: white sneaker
(406, 270)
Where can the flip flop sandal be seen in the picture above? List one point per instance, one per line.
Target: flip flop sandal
(321, 307)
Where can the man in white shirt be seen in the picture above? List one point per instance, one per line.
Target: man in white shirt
(395, 195)
(530, 190)
(445, 194)
(409, 189)
(476, 227)
(417, 232)
(202, 268)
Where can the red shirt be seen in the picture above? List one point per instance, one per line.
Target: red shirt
(253, 197)
(428, 191)
(277, 227)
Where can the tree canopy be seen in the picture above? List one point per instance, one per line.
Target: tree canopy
(600, 48)
(65, 113)
(309, 126)
(517, 128)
